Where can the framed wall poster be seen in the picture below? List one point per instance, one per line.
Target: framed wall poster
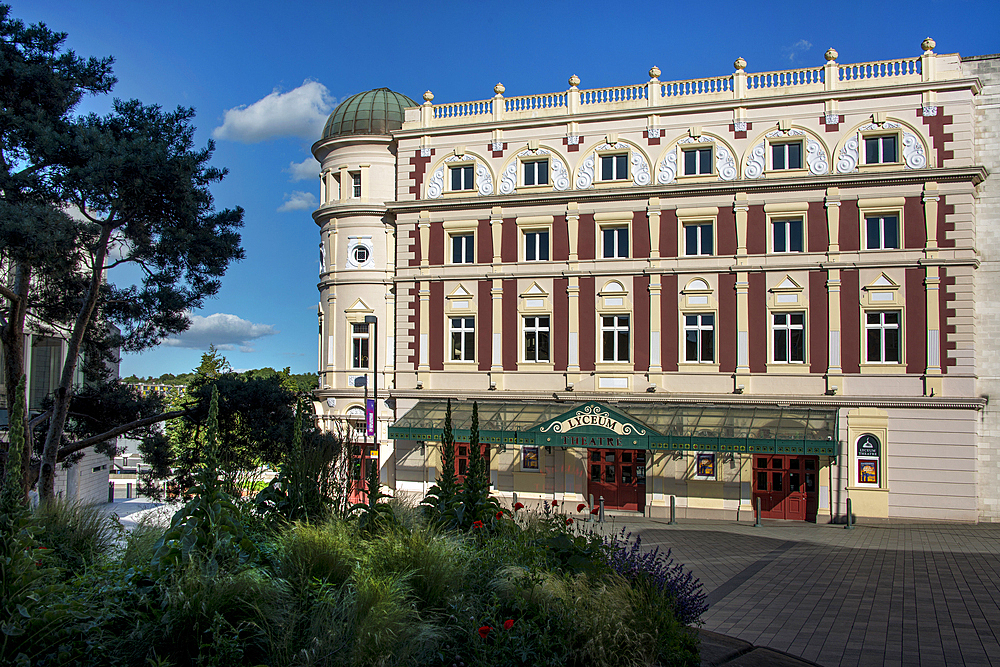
(529, 458)
(705, 466)
(868, 472)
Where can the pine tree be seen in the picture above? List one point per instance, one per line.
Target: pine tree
(478, 506)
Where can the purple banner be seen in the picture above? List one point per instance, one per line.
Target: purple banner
(370, 415)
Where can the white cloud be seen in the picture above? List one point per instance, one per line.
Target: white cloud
(298, 201)
(300, 112)
(303, 171)
(796, 49)
(225, 331)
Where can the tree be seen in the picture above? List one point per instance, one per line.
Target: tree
(139, 193)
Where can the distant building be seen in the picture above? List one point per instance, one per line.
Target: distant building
(754, 287)
(147, 388)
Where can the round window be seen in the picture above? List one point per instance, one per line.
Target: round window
(361, 254)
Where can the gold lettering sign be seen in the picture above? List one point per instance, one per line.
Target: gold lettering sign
(593, 415)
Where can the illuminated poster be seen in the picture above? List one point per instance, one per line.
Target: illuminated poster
(706, 465)
(529, 458)
(868, 472)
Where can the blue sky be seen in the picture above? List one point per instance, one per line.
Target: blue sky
(264, 76)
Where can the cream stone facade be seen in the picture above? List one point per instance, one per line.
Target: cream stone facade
(774, 288)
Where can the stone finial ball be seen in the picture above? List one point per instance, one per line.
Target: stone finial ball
(574, 81)
(928, 44)
(831, 54)
(428, 96)
(739, 63)
(654, 72)
(498, 89)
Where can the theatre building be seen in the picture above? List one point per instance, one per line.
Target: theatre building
(776, 287)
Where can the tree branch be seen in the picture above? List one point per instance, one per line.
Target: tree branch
(8, 293)
(74, 447)
(39, 419)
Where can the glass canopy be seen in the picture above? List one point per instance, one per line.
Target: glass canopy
(704, 427)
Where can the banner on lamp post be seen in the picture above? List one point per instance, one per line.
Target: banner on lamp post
(370, 416)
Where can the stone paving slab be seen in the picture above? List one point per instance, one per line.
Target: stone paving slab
(908, 594)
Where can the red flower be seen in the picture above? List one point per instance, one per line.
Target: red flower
(499, 515)
(518, 506)
(555, 502)
(579, 508)
(508, 624)
(484, 631)
(569, 520)
(477, 524)
(595, 510)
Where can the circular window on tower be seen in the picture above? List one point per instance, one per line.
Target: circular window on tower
(359, 253)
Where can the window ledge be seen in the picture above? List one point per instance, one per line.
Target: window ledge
(795, 368)
(883, 369)
(695, 367)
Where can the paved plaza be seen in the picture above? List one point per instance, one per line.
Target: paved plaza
(890, 594)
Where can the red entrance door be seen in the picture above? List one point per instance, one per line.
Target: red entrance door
(619, 475)
(364, 459)
(786, 486)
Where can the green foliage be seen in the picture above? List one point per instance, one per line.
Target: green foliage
(327, 553)
(77, 536)
(208, 527)
(375, 513)
(479, 505)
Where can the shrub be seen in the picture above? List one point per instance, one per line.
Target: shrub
(77, 535)
(433, 564)
(326, 552)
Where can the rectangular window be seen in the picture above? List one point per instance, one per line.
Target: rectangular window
(699, 338)
(462, 178)
(463, 339)
(883, 337)
(536, 246)
(536, 172)
(787, 235)
(614, 167)
(697, 161)
(789, 338)
(786, 156)
(359, 345)
(615, 337)
(536, 339)
(356, 184)
(880, 150)
(882, 232)
(615, 242)
(698, 239)
(462, 248)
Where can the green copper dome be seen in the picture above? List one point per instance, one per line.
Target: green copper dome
(378, 111)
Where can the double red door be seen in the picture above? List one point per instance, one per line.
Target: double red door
(786, 486)
(619, 475)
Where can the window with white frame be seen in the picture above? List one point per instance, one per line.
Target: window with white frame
(614, 167)
(535, 172)
(882, 337)
(615, 242)
(536, 339)
(786, 235)
(882, 149)
(463, 248)
(463, 177)
(614, 337)
(699, 338)
(536, 245)
(356, 184)
(786, 155)
(697, 161)
(463, 339)
(698, 238)
(359, 345)
(881, 232)
(789, 333)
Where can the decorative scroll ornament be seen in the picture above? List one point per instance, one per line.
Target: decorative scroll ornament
(425, 152)
(585, 179)
(572, 140)
(593, 415)
(930, 110)
(832, 119)
(497, 146)
(913, 152)
(640, 169)
(847, 159)
(725, 164)
(667, 173)
(653, 133)
(755, 162)
(792, 132)
(485, 180)
(436, 186)
(739, 126)
(560, 177)
(508, 182)
(457, 158)
(887, 125)
(816, 158)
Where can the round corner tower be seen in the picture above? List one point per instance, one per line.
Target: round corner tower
(357, 154)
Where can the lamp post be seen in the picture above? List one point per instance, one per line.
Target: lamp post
(373, 341)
